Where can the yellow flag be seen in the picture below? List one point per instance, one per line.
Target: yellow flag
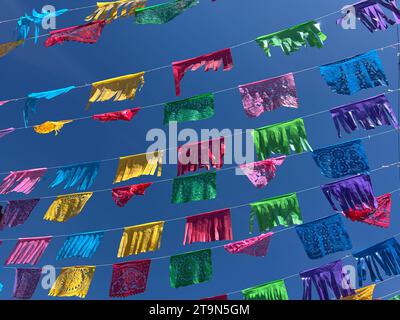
(50, 126)
(139, 164)
(73, 281)
(141, 238)
(119, 89)
(365, 293)
(109, 10)
(67, 206)
(9, 46)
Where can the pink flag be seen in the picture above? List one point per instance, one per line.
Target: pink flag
(22, 181)
(5, 132)
(122, 195)
(125, 115)
(2, 103)
(28, 250)
(256, 246)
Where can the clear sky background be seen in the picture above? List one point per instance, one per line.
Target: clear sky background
(128, 48)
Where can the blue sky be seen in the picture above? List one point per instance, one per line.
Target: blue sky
(128, 48)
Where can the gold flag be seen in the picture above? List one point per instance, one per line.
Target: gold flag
(67, 206)
(50, 126)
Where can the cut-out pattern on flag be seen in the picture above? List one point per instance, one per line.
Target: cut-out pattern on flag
(370, 13)
(384, 255)
(196, 108)
(211, 61)
(25, 282)
(354, 193)
(164, 12)
(33, 98)
(81, 175)
(22, 181)
(351, 75)
(5, 132)
(7, 47)
(281, 138)
(144, 164)
(324, 237)
(17, 212)
(129, 278)
(220, 297)
(87, 33)
(110, 11)
(82, 245)
(202, 186)
(256, 246)
(379, 217)
(262, 172)
(67, 206)
(125, 115)
(275, 290)
(28, 250)
(366, 114)
(141, 238)
(208, 227)
(397, 297)
(365, 293)
(190, 268)
(327, 278)
(203, 154)
(292, 39)
(268, 95)
(122, 195)
(278, 211)
(342, 159)
(117, 89)
(50, 126)
(73, 282)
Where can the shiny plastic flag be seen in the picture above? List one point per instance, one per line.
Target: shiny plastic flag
(73, 282)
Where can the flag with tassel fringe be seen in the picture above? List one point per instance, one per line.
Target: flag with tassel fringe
(190, 268)
(17, 212)
(141, 238)
(164, 12)
(379, 217)
(354, 74)
(281, 138)
(208, 227)
(110, 11)
(366, 114)
(122, 195)
(5, 132)
(327, 278)
(50, 126)
(256, 246)
(116, 89)
(71, 175)
(33, 98)
(216, 298)
(292, 39)
(125, 115)
(262, 172)
(275, 290)
(211, 61)
(144, 164)
(7, 47)
(73, 282)
(25, 282)
(87, 33)
(22, 181)
(397, 297)
(129, 278)
(3, 102)
(278, 211)
(28, 250)
(268, 95)
(67, 206)
(372, 16)
(385, 254)
(365, 293)
(197, 187)
(342, 159)
(196, 108)
(354, 193)
(82, 245)
(203, 154)
(324, 237)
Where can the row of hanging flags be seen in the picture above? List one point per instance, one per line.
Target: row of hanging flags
(353, 195)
